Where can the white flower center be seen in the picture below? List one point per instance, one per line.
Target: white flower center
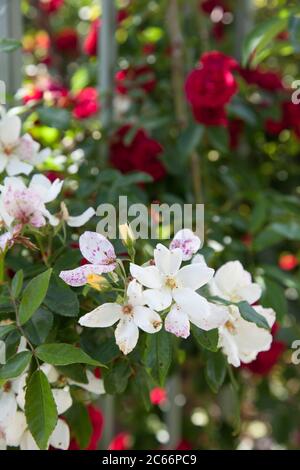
(127, 309)
(171, 282)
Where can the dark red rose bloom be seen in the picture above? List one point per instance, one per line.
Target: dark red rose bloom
(149, 48)
(235, 127)
(97, 422)
(122, 15)
(120, 442)
(247, 239)
(273, 127)
(211, 85)
(51, 6)
(158, 396)
(33, 95)
(135, 77)
(141, 154)
(211, 116)
(90, 45)
(291, 117)
(184, 445)
(288, 262)
(218, 31)
(266, 360)
(86, 103)
(67, 40)
(263, 78)
(54, 175)
(208, 6)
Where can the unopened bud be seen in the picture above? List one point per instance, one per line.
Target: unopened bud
(127, 235)
(98, 282)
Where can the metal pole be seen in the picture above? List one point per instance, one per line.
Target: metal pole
(174, 413)
(107, 63)
(107, 60)
(11, 27)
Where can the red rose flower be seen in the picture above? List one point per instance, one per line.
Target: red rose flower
(141, 154)
(184, 445)
(208, 6)
(210, 87)
(90, 45)
(120, 442)
(97, 421)
(67, 40)
(86, 103)
(158, 396)
(218, 31)
(264, 79)
(291, 117)
(288, 262)
(273, 127)
(54, 175)
(266, 360)
(51, 6)
(33, 95)
(135, 77)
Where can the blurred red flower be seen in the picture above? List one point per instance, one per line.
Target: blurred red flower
(208, 6)
(210, 87)
(120, 442)
(265, 79)
(135, 77)
(97, 422)
(90, 45)
(141, 154)
(51, 6)
(34, 94)
(266, 360)
(67, 40)
(86, 103)
(184, 445)
(288, 262)
(158, 396)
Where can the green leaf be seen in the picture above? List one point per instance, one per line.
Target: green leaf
(60, 298)
(250, 314)
(79, 420)
(15, 365)
(189, 140)
(260, 36)
(218, 138)
(116, 377)
(17, 283)
(259, 215)
(274, 297)
(40, 409)
(55, 117)
(266, 238)
(33, 295)
(230, 405)
(215, 371)
(75, 372)
(6, 329)
(294, 31)
(206, 339)
(158, 355)
(39, 326)
(62, 354)
(9, 45)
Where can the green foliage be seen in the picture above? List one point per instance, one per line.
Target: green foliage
(40, 409)
(33, 296)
